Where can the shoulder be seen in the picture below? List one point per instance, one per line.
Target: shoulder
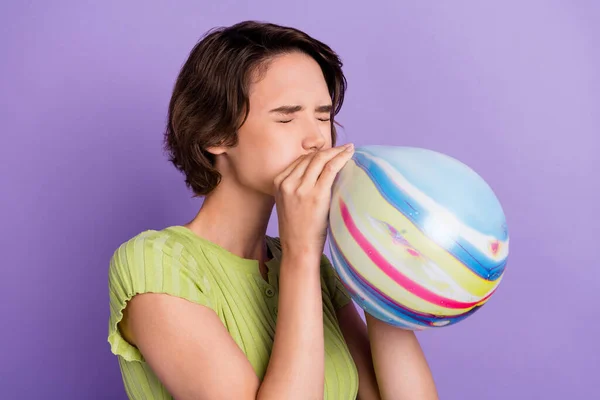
(161, 261)
(170, 242)
(150, 240)
(158, 257)
(157, 262)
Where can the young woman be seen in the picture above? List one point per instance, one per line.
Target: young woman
(216, 309)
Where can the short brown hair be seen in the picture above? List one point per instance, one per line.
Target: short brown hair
(210, 99)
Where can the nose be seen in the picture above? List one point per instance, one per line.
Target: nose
(314, 138)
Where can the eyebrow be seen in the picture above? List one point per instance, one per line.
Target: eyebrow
(294, 109)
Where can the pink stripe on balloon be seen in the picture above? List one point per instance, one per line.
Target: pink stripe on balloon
(363, 281)
(396, 275)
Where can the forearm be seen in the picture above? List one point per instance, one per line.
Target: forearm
(400, 365)
(297, 363)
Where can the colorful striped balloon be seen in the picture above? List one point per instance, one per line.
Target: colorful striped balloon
(418, 238)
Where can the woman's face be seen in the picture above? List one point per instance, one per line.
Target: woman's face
(289, 116)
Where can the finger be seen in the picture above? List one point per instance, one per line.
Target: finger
(286, 172)
(332, 168)
(318, 163)
(298, 171)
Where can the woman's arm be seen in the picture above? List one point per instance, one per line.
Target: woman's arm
(357, 339)
(297, 365)
(389, 360)
(189, 349)
(400, 365)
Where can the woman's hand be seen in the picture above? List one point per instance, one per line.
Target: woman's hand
(303, 196)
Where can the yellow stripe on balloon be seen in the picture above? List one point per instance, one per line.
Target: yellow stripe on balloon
(371, 273)
(379, 208)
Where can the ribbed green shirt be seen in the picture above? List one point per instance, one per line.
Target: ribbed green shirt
(178, 262)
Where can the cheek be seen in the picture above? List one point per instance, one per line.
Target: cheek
(277, 157)
(261, 161)
(265, 150)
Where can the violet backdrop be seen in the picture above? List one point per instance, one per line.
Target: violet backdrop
(511, 88)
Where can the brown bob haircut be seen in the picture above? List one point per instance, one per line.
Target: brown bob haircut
(210, 99)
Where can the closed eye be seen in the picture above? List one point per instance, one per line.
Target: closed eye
(286, 110)
(287, 121)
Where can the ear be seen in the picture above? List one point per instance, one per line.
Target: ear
(217, 150)
(222, 146)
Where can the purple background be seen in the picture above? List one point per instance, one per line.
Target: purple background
(511, 89)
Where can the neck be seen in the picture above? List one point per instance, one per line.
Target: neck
(236, 219)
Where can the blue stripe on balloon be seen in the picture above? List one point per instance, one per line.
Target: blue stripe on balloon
(466, 253)
(439, 175)
(402, 313)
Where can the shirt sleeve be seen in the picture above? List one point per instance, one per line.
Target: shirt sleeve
(151, 262)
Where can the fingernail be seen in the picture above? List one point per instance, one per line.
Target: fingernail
(349, 147)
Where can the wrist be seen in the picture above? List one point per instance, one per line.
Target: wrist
(301, 257)
(302, 250)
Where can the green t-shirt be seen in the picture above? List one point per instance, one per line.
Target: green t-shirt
(178, 262)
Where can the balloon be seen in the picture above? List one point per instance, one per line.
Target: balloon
(418, 238)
